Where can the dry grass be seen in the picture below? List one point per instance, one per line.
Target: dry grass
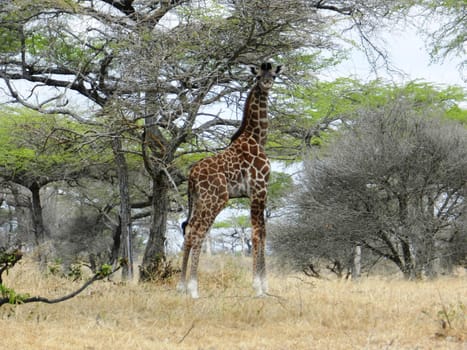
(302, 313)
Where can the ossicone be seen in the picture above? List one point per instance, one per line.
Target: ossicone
(266, 67)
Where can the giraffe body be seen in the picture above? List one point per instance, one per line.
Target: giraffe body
(241, 170)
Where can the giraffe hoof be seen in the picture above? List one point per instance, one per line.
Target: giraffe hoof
(192, 288)
(260, 285)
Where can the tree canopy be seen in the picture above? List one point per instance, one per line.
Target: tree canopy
(392, 182)
(43, 149)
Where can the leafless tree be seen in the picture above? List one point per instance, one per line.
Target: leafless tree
(393, 183)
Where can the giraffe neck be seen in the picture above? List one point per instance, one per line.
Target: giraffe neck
(255, 117)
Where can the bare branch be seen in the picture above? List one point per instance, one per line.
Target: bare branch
(97, 277)
(40, 108)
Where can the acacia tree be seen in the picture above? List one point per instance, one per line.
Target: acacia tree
(393, 183)
(36, 151)
(161, 63)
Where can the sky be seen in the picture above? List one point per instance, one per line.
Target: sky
(409, 54)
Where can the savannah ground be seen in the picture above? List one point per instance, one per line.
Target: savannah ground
(300, 313)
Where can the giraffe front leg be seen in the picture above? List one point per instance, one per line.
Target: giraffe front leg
(192, 288)
(260, 283)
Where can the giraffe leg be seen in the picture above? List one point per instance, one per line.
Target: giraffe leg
(194, 237)
(202, 226)
(259, 240)
(181, 286)
(192, 286)
(210, 198)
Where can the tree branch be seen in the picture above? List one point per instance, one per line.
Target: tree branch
(39, 108)
(322, 5)
(103, 273)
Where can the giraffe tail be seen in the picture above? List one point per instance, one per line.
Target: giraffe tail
(190, 206)
(184, 224)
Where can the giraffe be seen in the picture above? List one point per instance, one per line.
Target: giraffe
(240, 170)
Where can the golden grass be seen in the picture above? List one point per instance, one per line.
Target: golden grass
(302, 313)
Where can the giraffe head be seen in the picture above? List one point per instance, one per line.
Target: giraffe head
(266, 75)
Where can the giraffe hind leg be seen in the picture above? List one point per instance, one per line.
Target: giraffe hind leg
(198, 228)
(194, 237)
(181, 286)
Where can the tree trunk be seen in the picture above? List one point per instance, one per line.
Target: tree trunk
(38, 224)
(116, 243)
(409, 263)
(157, 152)
(409, 268)
(154, 254)
(125, 211)
(357, 262)
(37, 219)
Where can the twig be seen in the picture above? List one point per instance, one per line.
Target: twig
(187, 332)
(278, 297)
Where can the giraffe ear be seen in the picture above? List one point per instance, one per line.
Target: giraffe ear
(278, 69)
(253, 70)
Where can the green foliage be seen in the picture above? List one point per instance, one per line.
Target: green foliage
(62, 45)
(222, 224)
(316, 110)
(55, 267)
(105, 270)
(457, 113)
(9, 40)
(43, 145)
(37, 43)
(12, 296)
(64, 49)
(75, 271)
(215, 12)
(237, 221)
(343, 96)
(10, 33)
(280, 184)
(8, 259)
(188, 158)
